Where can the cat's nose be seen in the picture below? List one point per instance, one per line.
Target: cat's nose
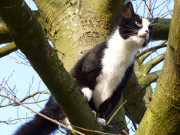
(145, 34)
(146, 31)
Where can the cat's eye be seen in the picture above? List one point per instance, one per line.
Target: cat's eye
(138, 24)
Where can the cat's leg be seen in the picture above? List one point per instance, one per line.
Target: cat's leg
(87, 93)
(101, 121)
(67, 123)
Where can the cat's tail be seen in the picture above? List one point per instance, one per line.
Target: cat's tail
(42, 126)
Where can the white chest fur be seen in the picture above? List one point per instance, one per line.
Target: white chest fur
(118, 56)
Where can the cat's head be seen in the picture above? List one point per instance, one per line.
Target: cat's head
(135, 28)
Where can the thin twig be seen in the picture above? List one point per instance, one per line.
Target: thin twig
(168, 9)
(73, 130)
(62, 125)
(27, 97)
(163, 44)
(116, 112)
(9, 122)
(125, 132)
(130, 117)
(94, 131)
(148, 8)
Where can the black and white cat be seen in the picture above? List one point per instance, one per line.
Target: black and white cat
(103, 72)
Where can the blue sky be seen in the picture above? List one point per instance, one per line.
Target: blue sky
(22, 78)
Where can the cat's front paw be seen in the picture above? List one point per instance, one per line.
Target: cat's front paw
(101, 121)
(87, 93)
(94, 112)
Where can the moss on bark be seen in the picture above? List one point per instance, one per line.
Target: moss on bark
(162, 117)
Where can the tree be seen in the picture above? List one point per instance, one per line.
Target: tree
(164, 108)
(74, 27)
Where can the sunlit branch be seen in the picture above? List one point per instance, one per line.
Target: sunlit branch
(7, 49)
(161, 45)
(149, 78)
(152, 63)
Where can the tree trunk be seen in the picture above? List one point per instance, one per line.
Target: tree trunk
(76, 26)
(163, 114)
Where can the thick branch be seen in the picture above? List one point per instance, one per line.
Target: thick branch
(141, 59)
(161, 29)
(162, 116)
(29, 37)
(4, 33)
(5, 37)
(148, 79)
(145, 68)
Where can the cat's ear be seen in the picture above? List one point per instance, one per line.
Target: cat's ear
(153, 21)
(128, 10)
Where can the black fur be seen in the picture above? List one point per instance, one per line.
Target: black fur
(88, 68)
(40, 125)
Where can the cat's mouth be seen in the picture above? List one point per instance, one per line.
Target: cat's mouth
(143, 36)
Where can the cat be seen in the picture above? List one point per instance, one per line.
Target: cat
(102, 73)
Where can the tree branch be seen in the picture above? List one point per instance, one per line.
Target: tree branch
(4, 33)
(161, 45)
(141, 59)
(145, 68)
(148, 79)
(29, 37)
(161, 29)
(25, 98)
(42, 115)
(7, 49)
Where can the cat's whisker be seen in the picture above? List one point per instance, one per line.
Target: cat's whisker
(129, 29)
(129, 26)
